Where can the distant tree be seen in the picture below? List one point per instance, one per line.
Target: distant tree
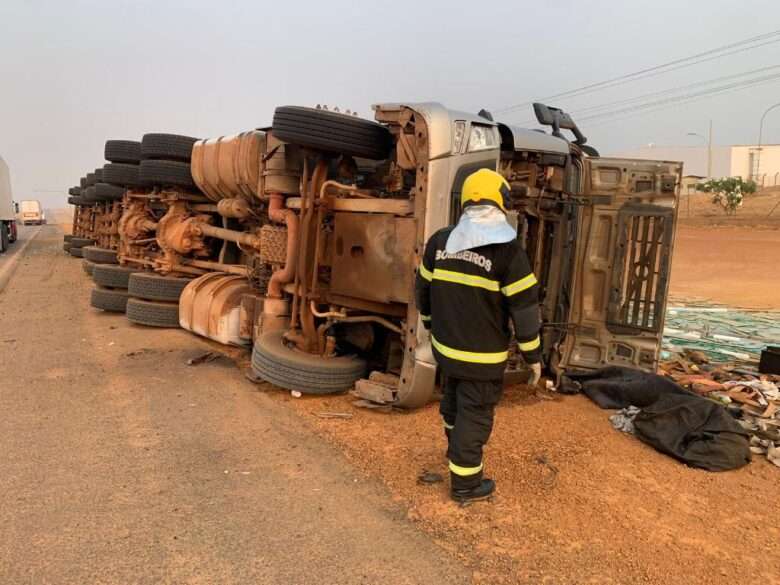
(729, 192)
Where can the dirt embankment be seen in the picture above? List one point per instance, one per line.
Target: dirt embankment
(759, 210)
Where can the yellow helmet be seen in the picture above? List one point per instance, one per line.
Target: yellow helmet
(485, 187)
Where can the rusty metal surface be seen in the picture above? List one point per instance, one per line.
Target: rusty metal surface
(210, 306)
(373, 257)
(136, 229)
(281, 172)
(229, 166)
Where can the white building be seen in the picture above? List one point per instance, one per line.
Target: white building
(746, 161)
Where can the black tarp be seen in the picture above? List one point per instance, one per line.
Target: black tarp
(688, 427)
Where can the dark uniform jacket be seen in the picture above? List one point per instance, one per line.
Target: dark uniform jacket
(466, 300)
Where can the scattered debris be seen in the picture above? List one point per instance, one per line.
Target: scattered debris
(373, 405)
(138, 352)
(719, 333)
(250, 375)
(344, 415)
(429, 477)
(623, 420)
(379, 388)
(209, 356)
(542, 459)
(716, 355)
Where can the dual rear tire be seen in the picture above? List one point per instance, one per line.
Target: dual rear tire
(110, 292)
(155, 299)
(275, 362)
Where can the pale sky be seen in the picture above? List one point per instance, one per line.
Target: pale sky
(75, 73)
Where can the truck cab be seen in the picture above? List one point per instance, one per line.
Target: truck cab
(598, 231)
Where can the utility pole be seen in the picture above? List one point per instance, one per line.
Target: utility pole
(760, 136)
(709, 153)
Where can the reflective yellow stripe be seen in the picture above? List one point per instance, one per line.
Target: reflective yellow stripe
(425, 273)
(449, 427)
(458, 470)
(425, 317)
(530, 345)
(470, 356)
(519, 285)
(467, 279)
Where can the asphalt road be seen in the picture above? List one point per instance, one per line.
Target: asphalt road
(121, 464)
(10, 257)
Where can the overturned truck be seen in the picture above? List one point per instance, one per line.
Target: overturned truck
(302, 240)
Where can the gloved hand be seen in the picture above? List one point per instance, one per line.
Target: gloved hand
(536, 373)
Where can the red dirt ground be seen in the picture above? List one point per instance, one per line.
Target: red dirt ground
(736, 266)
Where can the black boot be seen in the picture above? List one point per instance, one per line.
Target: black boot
(481, 492)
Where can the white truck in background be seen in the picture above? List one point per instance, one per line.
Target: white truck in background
(31, 212)
(7, 209)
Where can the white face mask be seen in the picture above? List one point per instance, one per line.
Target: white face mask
(480, 225)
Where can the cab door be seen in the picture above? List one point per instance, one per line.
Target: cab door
(623, 263)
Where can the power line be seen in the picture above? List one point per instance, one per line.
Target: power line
(671, 100)
(667, 67)
(674, 89)
(595, 108)
(681, 102)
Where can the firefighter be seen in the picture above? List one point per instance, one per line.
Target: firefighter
(473, 278)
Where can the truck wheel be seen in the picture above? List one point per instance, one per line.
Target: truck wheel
(108, 192)
(154, 287)
(90, 180)
(83, 182)
(289, 368)
(88, 266)
(75, 191)
(77, 252)
(111, 275)
(81, 242)
(107, 299)
(166, 173)
(66, 246)
(123, 151)
(124, 175)
(332, 132)
(167, 146)
(99, 255)
(67, 237)
(89, 195)
(153, 313)
(77, 200)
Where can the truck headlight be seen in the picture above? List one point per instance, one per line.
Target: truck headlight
(482, 138)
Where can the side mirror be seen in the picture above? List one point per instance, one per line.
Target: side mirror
(549, 116)
(558, 119)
